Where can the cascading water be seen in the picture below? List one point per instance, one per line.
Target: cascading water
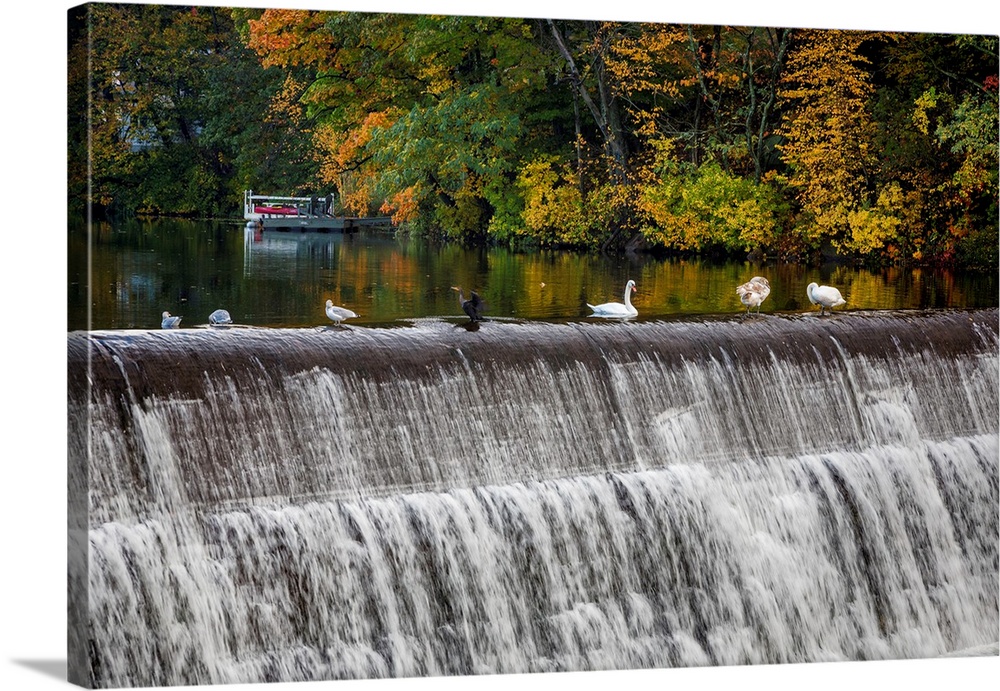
(276, 505)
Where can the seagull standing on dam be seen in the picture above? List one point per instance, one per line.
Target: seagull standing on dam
(753, 292)
(827, 297)
(219, 317)
(473, 306)
(338, 314)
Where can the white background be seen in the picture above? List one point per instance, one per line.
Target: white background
(33, 418)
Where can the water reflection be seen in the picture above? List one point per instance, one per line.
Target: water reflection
(139, 270)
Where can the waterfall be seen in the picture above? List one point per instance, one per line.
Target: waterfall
(296, 504)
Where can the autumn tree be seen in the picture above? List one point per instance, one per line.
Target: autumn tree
(704, 102)
(456, 149)
(176, 109)
(829, 133)
(598, 92)
(78, 105)
(583, 133)
(585, 48)
(654, 69)
(944, 91)
(419, 116)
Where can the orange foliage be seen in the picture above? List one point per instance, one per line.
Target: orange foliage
(289, 38)
(342, 148)
(403, 205)
(341, 151)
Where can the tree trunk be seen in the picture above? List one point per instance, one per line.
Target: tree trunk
(606, 114)
(755, 133)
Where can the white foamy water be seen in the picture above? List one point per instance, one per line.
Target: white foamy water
(513, 509)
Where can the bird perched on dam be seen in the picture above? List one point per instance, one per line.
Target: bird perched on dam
(219, 317)
(169, 322)
(473, 307)
(617, 309)
(754, 292)
(338, 314)
(827, 297)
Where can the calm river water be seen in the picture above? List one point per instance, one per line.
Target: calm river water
(277, 279)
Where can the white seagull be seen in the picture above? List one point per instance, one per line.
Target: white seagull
(617, 309)
(825, 297)
(753, 292)
(220, 317)
(170, 322)
(338, 314)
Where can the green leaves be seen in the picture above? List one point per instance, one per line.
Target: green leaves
(183, 116)
(707, 208)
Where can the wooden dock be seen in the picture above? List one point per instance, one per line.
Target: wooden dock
(269, 212)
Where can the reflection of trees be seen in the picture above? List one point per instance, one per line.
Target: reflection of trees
(869, 290)
(191, 268)
(901, 288)
(692, 287)
(139, 269)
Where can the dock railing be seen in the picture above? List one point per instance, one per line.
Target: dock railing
(315, 206)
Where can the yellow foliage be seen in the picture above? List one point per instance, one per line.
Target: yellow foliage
(555, 208)
(653, 61)
(829, 132)
(355, 192)
(871, 229)
(924, 103)
(552, 201)
(696, 209)
(438, 76)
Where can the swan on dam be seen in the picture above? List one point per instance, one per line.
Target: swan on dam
(753, 292)
(169, 322)
(473, 306)
(338, 314)
(219, 317)
(827, 297)
(617, 309)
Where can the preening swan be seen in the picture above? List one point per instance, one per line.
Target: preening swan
(338, 314)
(753, 292)
(617, 309)
(169, 322)
(824, 296)
(473, 306)
(220, 317)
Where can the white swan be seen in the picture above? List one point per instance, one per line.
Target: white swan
(220, 317)
(617, 309)
(169, 322)
(338, 314)
(753, 292)
(825, 297)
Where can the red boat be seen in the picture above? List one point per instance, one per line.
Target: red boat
(276, 210)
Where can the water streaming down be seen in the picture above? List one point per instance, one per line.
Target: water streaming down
(295, 504)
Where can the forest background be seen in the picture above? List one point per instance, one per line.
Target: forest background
(711, 139)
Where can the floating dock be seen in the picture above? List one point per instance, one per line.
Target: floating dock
(313, 213)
